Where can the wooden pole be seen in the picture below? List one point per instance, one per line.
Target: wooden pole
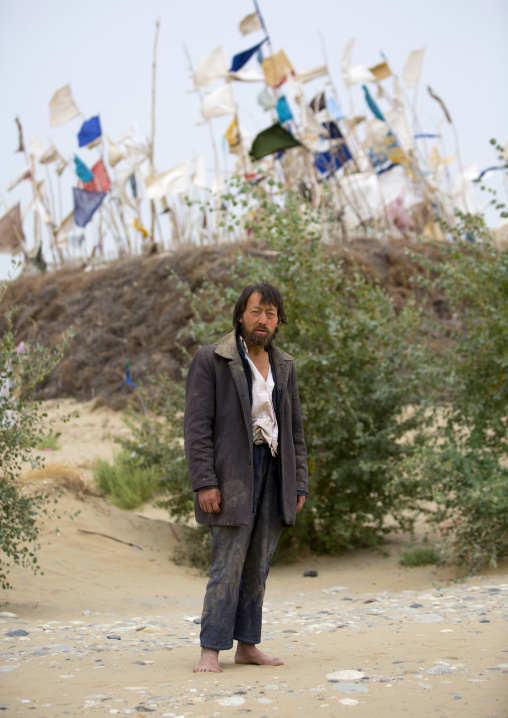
(152, 139)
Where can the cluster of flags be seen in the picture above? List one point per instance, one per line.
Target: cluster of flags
(319, 127)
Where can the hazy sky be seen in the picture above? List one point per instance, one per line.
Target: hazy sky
(103, 48)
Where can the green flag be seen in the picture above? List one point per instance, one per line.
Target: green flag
(273, 139)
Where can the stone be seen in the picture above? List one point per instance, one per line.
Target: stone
(351, 687)
(16, 632)
(345, 675)
(439, 670)
(312, 573)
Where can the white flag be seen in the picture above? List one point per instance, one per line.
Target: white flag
(250, 23)
(35, 148)
(199, 175)
(211, 68)
(173, 181)
(219, 102)
(67, 226)
(312, 74)
(50, 155)
(345, 63)
(115, 154)
(412, 68)
(357, 74)
(62, 107)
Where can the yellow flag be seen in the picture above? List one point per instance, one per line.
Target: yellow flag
(277, 67)
(137, 225)
(233, 135)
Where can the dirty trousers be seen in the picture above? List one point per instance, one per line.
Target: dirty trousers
(239, 564)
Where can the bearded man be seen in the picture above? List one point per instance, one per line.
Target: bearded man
(247, 464)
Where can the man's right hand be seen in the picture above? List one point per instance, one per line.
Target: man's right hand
(210, 500)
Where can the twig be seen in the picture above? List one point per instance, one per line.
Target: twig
(97, 533)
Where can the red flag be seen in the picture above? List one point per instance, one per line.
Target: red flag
(101, 183)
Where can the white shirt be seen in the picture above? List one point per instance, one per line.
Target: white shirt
(264, 422)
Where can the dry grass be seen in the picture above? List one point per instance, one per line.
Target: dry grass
(57, 475)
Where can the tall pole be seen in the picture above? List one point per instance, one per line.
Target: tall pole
(152, 139)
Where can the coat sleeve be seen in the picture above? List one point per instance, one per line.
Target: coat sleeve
(302, 471)
(199, 420)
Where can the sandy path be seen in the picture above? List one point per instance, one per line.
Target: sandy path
(364, 638)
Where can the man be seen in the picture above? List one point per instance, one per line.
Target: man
(247, 465)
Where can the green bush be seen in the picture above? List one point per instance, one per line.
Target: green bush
(463, 465)
(359, 365)
(126, 483)
(22, 425)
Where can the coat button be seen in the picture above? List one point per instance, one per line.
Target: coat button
(249, 462)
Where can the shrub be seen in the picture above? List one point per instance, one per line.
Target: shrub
(463, 466)
(21, 428)
(126, 483)
(359, 365)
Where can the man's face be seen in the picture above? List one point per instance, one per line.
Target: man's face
(259, 321)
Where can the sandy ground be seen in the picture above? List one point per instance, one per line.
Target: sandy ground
(110, 628)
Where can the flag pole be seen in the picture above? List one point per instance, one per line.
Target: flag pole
(152, 139)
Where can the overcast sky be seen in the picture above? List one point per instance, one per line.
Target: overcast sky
(103, 48)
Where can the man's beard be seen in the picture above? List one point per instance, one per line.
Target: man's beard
(259, 340)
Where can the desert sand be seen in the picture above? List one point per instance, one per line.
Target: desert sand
(112, 625)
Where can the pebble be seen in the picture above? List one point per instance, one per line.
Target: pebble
(349, 701)
(114, 637)
(7, 614)
(350, 687)
(439, 670)
(429, 618)
(17, 632)
(345, 675)
(232, 701)
(310, 574)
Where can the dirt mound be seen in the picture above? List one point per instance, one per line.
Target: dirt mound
(132, 310)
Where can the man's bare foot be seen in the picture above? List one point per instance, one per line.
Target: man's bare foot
(247, 653)
(209, 662)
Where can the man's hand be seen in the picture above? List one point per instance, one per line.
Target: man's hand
(210, 500)
(300, 500)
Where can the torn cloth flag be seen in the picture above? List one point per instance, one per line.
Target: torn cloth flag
(372, 104)
(242, 58)
(101, 181)
(327, 163)
(85, 205)
(62, 107)
(90, 131)
(283, 109)
(11, 230)
(274, 139)
(82, 170)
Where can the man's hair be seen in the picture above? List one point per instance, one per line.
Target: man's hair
(269, 295)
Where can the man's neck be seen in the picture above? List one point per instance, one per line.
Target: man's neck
(255, 350)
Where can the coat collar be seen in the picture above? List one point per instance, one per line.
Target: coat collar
(227, 348)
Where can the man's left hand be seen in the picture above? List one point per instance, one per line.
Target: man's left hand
(300, 500)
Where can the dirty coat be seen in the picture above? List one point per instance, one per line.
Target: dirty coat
(218, 433)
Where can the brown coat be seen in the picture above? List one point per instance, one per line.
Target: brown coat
(218, 433)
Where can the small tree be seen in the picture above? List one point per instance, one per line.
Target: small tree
(22, 425)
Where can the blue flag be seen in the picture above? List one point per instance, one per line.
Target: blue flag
(283, 110)
(327, 163)
(372, 104)
(242, 58)
(90, 130)
(85, 204)
(84, 174)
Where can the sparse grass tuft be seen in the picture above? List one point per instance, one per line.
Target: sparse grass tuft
(423, 555)
(126, 484)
